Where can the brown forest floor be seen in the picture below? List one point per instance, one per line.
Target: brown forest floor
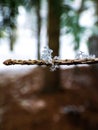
(24, 107)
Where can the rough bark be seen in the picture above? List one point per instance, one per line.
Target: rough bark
(55, 62)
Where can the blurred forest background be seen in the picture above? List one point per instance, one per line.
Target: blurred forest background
(41, 99)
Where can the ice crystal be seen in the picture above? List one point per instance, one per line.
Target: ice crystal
(82, 55)
(47, 54)
(47, 57)
(56, 58)
(54, 67)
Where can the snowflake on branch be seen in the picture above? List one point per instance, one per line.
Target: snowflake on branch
(82, 55)
(47, 54)
(47, 57)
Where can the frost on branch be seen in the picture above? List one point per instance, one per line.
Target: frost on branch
(54, 67)
(48, 60)
(47, 54)
(82, 55)
(47, 57)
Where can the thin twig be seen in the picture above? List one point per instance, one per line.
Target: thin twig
(55, 62)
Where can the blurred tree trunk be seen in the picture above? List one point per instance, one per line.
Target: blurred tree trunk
(93, 40)
(12, 38)
(52, 79)
(12, 27)
(12, 30)
(93, 48)
(54, 25)
(38, 2)
(93, 45)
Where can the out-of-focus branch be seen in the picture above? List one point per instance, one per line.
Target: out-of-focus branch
(55, 62)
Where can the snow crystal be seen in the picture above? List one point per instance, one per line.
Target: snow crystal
(82, 55)
(47, 54)
(47, 57)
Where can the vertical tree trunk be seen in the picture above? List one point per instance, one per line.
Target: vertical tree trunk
(93, 45)
(52, 79)
(12, 38)
(38, 27)
(54, 25)
(12, 27)
(93, 48)
(93, 40)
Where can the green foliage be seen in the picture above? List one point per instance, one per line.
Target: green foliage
(70, 20)
(69, 16)
(8, 13)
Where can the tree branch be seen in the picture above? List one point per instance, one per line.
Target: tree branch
(55, 62)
